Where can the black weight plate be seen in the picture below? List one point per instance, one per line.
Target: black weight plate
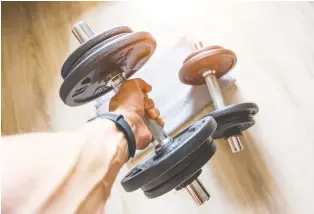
(83, 48)
(93, 49)
(200, 51)
(174, 152)
(176, 169)
(219, 60)
(234, 119)
(233, 125)
(183, 176)
(89, 79)
(190, 180)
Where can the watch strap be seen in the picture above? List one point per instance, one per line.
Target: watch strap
(123, 126)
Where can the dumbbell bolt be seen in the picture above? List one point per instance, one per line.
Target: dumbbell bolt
(218, 99)
(198, 192)
(196, 189)
(82, 32)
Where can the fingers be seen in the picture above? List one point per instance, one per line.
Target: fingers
(160, 121)
(153, 113)
(148, 103)
(144, 86)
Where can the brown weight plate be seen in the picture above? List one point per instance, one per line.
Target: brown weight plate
(220, 60)
(202, 50)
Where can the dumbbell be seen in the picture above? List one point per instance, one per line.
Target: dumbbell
(100, 65)
(205, 66)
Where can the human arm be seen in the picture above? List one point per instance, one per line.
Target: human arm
(74, 171)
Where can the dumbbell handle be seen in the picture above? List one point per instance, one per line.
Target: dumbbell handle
(82, 32)
(218, 99)
(159, 135)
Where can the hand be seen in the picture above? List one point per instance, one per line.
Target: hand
(132, 102)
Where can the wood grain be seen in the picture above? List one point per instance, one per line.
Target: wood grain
(275, 49)
(35, 42)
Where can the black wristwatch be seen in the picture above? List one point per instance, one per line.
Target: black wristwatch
(118, 119)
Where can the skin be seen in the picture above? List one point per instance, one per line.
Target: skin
(73, 172)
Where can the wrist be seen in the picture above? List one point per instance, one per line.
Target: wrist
(128, 116)
(121, 155)
(108, 136)
(123, 150)
(136, 122)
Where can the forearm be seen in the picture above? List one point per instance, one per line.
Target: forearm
(62, 172)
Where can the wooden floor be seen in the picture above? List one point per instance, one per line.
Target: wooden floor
(274, 43)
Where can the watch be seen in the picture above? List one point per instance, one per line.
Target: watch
(121, 123)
